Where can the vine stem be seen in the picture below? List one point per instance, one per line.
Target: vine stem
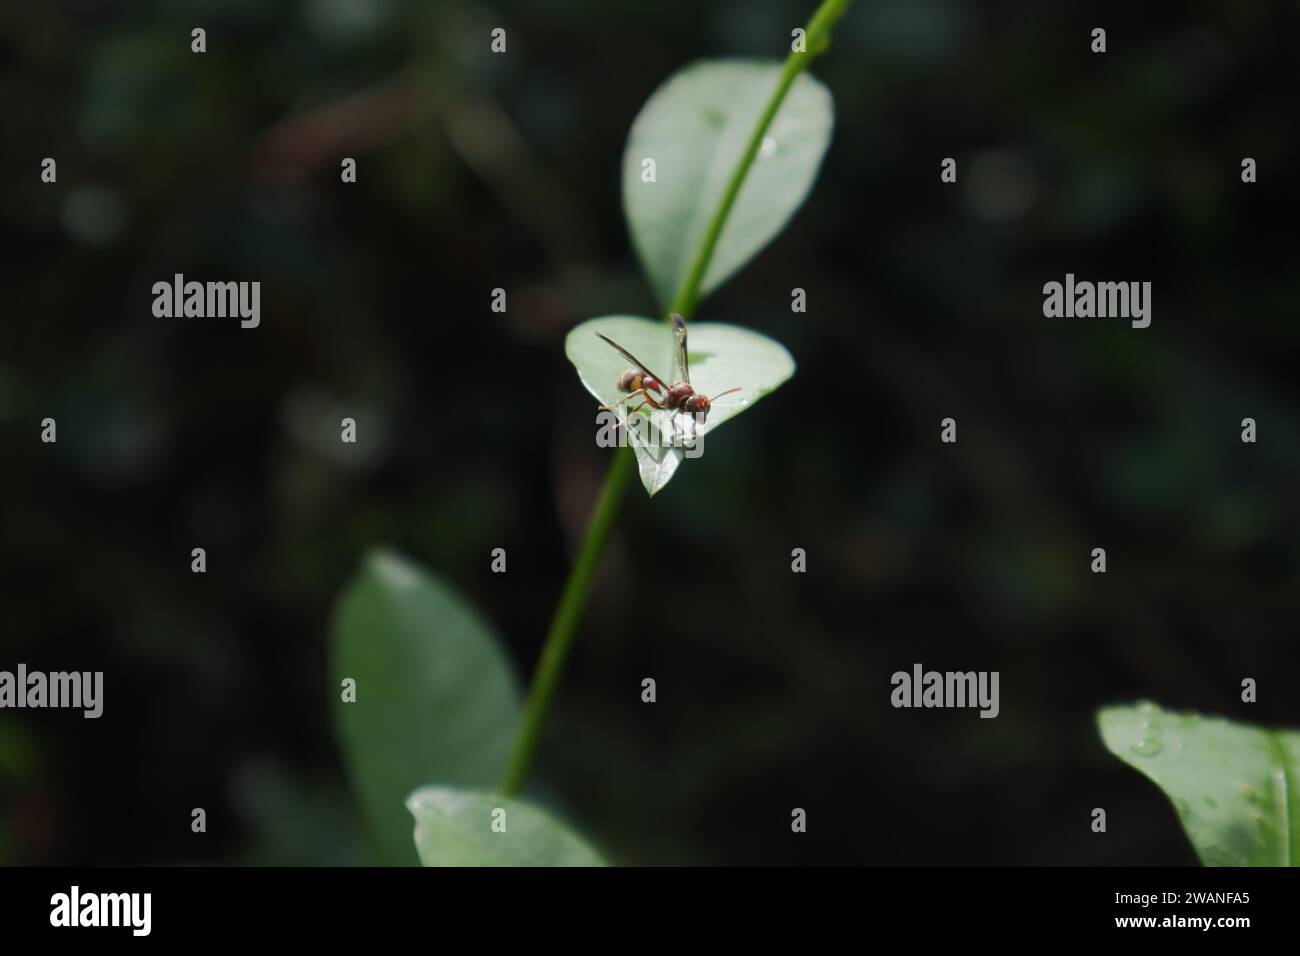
(559, 639)
(567, 615)
(816, 40)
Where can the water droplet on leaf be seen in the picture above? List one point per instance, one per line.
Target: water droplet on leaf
(1148, 747)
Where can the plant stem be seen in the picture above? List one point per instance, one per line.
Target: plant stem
(565, 624)
(574, 599)
(816, 41)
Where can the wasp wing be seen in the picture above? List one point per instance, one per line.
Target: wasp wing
(682, 362)
(632, 358)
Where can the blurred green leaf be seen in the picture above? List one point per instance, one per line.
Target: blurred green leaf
(721, 357)
(435, 696)
(1235, 787)
(455, 828)
(695, 127)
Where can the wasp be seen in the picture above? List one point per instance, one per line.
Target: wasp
(679, 397)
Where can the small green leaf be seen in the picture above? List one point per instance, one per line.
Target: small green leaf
(435, 697)
(695, 127)
(1235, 787)
(455, 827)
(721, 357)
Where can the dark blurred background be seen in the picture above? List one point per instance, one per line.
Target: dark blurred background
(479, 171)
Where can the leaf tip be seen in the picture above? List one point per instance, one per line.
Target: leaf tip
(390, 566)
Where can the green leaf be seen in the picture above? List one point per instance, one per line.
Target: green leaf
(1235, 787)
(721, 357)
(695, 127)
(435, 697)
(454, 827)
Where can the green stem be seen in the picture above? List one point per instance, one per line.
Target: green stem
(574, 599)
(567, 615)
(816, 41)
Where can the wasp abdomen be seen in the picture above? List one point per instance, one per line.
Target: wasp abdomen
(633, 379)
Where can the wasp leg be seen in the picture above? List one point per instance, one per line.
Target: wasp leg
(649, 400)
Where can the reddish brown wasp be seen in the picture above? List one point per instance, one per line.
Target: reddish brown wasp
(680, 397)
